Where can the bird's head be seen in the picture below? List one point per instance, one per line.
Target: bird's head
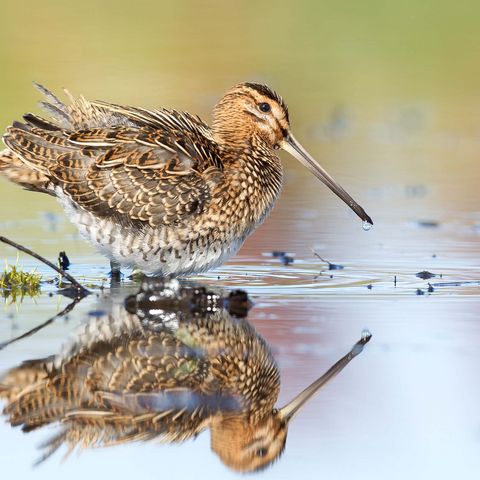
(247, 446)
(252, 114)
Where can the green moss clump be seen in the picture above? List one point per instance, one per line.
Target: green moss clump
(16, 283)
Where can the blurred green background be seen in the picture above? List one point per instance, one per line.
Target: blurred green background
(385, 94)
(185, 52)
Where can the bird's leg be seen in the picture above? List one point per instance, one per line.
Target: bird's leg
(115, 272)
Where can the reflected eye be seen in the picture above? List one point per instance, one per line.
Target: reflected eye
(261, 452)
(264, 107)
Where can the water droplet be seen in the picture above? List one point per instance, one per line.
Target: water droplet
(366, 225)
(366, 335)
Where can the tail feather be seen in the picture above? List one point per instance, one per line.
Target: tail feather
(39, 122)
(59, 115)
(78, 115)
(30, 154)
(34, 145)
(50, 96)
(25, 160)
(12, 168)
(56, 108)
(20, 378)
(43, 402)
(34, 148)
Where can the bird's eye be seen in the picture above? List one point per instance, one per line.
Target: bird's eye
(261, 452)
(264, 107)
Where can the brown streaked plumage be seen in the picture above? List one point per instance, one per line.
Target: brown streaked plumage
(175, 362)
(160, 190)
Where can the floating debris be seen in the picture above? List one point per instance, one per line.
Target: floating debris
(456, 284)
(286, 260)
(427, 223)
(425, 275)
(97, 313)
(63, 261)
(331, 266)
(283, 256)
(370, 286)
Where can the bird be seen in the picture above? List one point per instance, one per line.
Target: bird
(168, 364)
(159, 190)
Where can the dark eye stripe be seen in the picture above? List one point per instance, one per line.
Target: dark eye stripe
(269, 93)
(283, 130)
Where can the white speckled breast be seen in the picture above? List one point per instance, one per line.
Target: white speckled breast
(167, 251)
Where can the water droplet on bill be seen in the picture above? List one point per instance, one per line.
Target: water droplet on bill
(366, 335)
(366, 225)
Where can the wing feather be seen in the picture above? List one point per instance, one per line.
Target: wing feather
(152, 166)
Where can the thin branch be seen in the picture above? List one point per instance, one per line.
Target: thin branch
(81, 289)
(331, 266)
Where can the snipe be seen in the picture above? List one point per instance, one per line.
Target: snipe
(160, 190)
(175, 362)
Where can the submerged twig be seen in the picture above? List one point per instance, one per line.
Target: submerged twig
(66, 310)
(80, 288)
(456, 284)
(331, 266)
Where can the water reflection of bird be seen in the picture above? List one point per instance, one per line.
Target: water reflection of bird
(174, 363)
(159, 189)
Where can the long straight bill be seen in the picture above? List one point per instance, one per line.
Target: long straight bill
(293, 147)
